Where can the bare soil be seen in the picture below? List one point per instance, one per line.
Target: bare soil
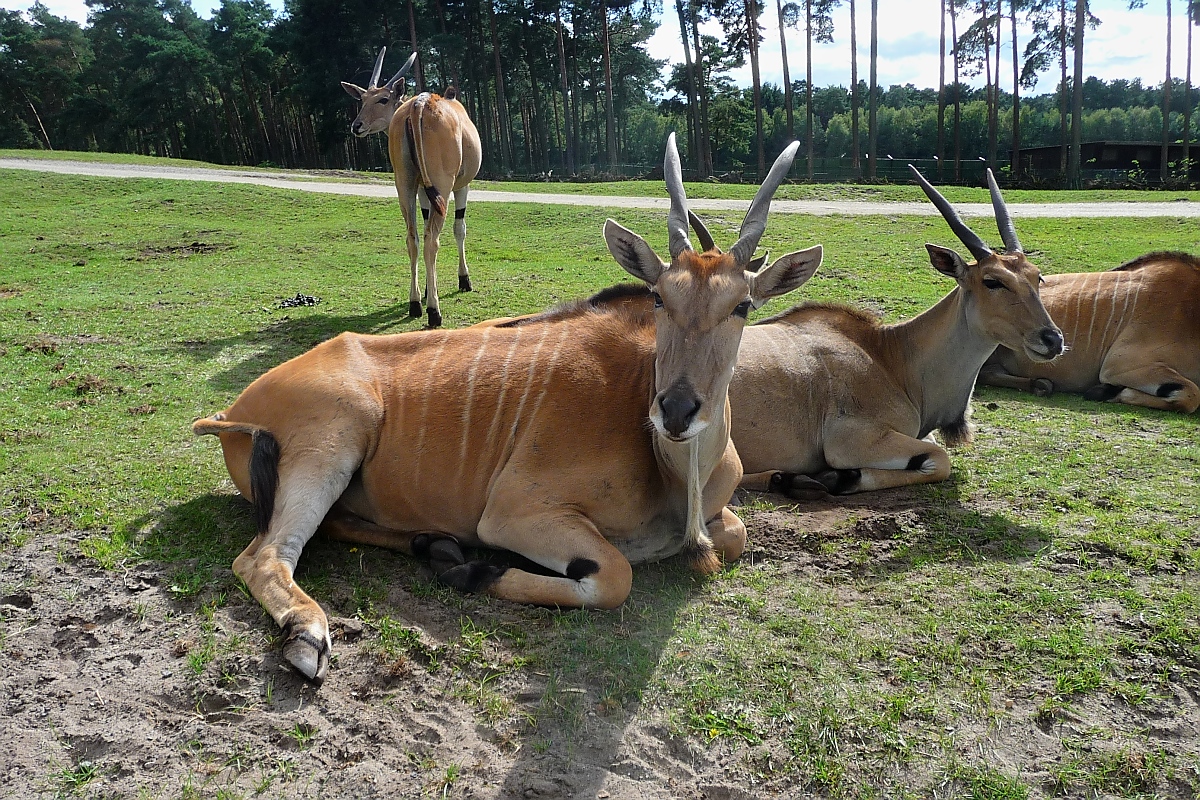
(100, 697)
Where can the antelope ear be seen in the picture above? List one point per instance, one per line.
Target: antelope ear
(632, 253)
(785, 274)
(946, 261)
(354, 91)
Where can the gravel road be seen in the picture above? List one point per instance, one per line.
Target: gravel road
(301, 181)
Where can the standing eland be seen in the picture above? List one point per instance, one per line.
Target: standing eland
(585, 442)
(434, 146)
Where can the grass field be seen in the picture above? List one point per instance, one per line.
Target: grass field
(1049, 590)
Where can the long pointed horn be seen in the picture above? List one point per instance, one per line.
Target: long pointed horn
(756, 217)
(378, 67)
(1008, 233)
(706, 240)
(677, 219)
(403, 70)
(965, 235)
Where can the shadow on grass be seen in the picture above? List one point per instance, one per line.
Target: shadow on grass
(1067, 401)
(878, 534)
(285, 339)
(574, 682)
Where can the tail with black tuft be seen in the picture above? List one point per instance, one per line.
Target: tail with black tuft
(436, 201)
(264, 476)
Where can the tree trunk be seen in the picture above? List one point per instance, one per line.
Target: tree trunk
(787, 78)
(1187, 101)
(1062, 87)
(569, 147)
(1016, 114)
(941, 123)
(706, 149)
(873, 99)
(609, 119)
(808, 89)
(1164, 168)
(957, 96)
(1074, 175)
(992, 93)
(855, 143)
(37, 117)
(693, 99)
(412, 35)
(503, 119)
(752, 35)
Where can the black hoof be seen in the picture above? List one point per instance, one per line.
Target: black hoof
(1102, 392)
(442, 552)
(414, 308)
(464, 283)
(435, 318)
(307, 654)
(474, 576)
(839, 481)
(1043, 387)
(798, 487)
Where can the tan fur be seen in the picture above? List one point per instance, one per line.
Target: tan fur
(441, 157)
(821, 388)
(562, 438)
(1136, 327)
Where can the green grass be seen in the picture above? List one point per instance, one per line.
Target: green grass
(1052, 578)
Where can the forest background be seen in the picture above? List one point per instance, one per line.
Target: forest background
(569, 90)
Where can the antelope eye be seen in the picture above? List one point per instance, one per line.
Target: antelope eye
(742, 310)
(657, 299)
(383, 100)
(992, 283)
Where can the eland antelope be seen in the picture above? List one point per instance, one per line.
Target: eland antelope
(434, 146)
(585, 442)
(828, 399)
(1133, 336)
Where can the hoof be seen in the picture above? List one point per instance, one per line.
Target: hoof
(798, 487)
(839, 481)
(474, 576)
(435, 318)
(414, 308)
(1102, 392)
(1043, 387)
(464, 283)
(307, 651)
(445, 555)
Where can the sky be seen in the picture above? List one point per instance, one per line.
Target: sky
(1128, 44)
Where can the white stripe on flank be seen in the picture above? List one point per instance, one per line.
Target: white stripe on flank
(549, 371)
(503, 386)
(1112, 310)
(1141, 280)
(466, 423)
(533, 365)
(1079, 313)
(425, 405)
(1095, 305)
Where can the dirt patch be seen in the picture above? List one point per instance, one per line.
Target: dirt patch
(196, 248)
(116, 683)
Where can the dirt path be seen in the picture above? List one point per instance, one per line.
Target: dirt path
(301, 181)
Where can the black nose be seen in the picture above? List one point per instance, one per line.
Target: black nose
(679, 405)
(356, 127)
(1053, 339)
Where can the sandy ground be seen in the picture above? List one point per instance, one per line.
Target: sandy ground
(97, 677)
(301, 181)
